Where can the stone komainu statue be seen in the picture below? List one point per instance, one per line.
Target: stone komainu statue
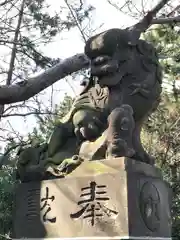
(106, 118)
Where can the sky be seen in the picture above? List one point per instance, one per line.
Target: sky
(66, 45)
(71, 42)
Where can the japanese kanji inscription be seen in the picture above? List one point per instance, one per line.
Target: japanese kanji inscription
(92, 205)
(46, 205)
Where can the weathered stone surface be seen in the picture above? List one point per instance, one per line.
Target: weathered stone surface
(124, 87)
(118, 197)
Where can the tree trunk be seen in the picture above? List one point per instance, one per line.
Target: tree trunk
(13, 53)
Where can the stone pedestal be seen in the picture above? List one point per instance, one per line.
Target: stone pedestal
(119, 198)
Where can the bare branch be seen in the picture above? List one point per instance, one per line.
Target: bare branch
(27, 89)
(14, 49)
(166, 20)
(116, 6)
(4, 3)
(158, 7)
(27, 114)
(13, 54)
(173, 11)
(76, 20)
(144, 24)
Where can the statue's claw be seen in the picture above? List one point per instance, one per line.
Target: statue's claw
(119, 149)
(119, 133)
(140, 88)
(69, 164)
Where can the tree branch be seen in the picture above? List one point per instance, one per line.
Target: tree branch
(173, 11)
(4, 3)
(27, 89)
(14, 49)
(13, 53)
(76, 20)
(145, 23)
(166, 20)
(29, 113)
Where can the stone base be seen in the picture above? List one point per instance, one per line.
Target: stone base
(119, 198)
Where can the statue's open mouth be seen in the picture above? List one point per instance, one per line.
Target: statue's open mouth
(107, 72)
(108, 69)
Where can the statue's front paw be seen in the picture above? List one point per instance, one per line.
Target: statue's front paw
(69, 164)
(119, 148)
